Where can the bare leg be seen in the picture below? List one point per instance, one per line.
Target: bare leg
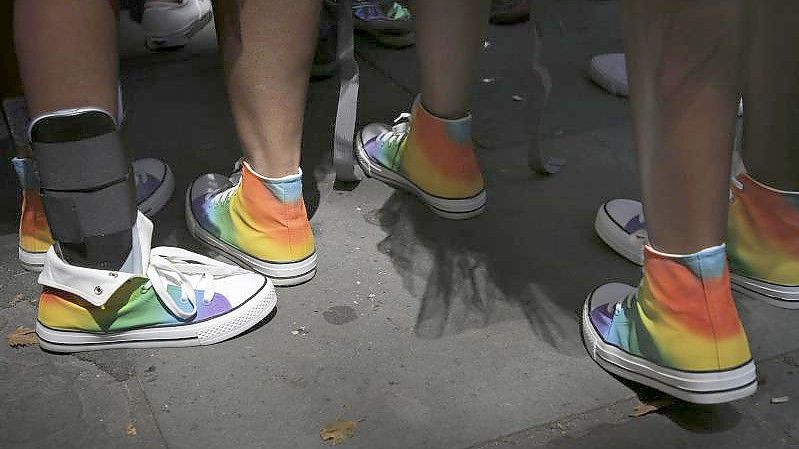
(268, 47)
(771, 95)
(449, 35)
(67, 54)
(684, 60)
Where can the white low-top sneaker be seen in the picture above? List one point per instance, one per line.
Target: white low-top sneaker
(172, 24)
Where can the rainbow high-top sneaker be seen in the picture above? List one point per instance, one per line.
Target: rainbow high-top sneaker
(259, 222)
(763, 242)
(154, 186)
(679, 332)
(170, 297)
(34, 232)
(430, 157)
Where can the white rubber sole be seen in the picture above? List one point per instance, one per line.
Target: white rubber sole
(31, 261)
(210, 331)
(696, 387)
(783, 296)
(617, 238)
(281, 274)
(453, 209)
(179, 38)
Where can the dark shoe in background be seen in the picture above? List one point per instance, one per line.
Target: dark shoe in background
(387, 21)
(508, 12)
(324, 60)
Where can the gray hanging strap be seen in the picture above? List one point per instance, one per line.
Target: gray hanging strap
(540, 91)
(347, 169)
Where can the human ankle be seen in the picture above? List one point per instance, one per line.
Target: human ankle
(443, 112)
(272, 170)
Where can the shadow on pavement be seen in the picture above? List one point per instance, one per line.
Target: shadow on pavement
(464, 272)
(691, 417)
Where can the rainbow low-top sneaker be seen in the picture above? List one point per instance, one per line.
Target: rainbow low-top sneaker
(679, 332)
(171, 297)
(154, 186)
(259, 222)
(763, 242)
(430, 157)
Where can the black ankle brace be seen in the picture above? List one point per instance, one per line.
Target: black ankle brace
(87, 186)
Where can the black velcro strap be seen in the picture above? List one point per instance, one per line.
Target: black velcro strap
(74, 216)
(81, 165)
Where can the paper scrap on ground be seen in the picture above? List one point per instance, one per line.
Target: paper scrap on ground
(22, 336)
(339, 431)
(648, 407)
(130, 430)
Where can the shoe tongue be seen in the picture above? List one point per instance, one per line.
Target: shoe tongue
(139, 258)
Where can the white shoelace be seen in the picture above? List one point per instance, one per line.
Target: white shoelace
(398, 132)
(178, 266)
(224, 196)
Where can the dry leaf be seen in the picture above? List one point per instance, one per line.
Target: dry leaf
(130, 430)
(22, 336)
(339, 431)
(646, 408)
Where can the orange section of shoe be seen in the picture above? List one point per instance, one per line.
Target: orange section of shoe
(438, 156)
(269, 224)
(34, 232)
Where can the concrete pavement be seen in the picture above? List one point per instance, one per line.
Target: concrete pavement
(433, 334)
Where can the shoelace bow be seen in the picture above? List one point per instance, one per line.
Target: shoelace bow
(178, 266)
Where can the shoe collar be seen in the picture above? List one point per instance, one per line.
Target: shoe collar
(97, 286)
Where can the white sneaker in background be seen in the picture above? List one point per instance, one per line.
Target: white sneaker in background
(610, 72)
(620, 223)
(171, 24)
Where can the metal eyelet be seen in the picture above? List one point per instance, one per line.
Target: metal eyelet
(113, 274)
(98, 290)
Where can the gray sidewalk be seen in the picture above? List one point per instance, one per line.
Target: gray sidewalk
(430, 333)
